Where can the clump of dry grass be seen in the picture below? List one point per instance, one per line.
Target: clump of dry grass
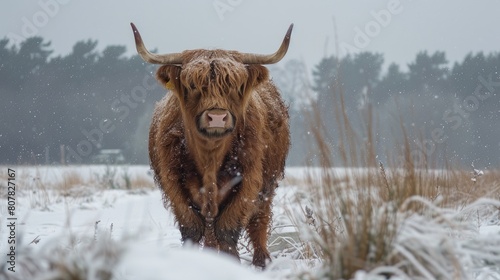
(69, 256)
(71, 179)
(142, 182)
(39, 192)
(72, 184)
(120, 178)
(45, 185)
(399, 220)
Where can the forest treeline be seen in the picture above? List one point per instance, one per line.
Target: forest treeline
(449, 112)
(67, 109)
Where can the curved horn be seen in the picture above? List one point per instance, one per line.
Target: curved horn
(250, 58)
(173, 58)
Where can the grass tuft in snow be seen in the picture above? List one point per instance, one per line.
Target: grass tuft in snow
(406, 221)
(68, 256)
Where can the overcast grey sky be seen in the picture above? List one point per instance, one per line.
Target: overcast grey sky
(398, 29)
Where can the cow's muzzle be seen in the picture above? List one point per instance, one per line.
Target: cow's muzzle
(215, 123)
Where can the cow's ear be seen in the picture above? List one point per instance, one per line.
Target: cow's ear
(168, 77)
(257, 74)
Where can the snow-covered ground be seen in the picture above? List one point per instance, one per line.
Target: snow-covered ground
(82, 209)
(72, 206)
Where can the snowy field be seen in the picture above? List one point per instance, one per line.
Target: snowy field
(96, 218)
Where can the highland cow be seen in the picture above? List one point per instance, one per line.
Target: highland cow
(218, 144)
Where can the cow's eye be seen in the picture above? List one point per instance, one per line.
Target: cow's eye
(241, 91)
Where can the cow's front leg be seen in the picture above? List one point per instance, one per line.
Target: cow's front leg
(190, 223)
(236, 214)
(228, 241)
(190, 234)
(257, 230)
(184, 202)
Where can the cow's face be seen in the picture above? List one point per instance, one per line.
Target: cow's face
(213, 88)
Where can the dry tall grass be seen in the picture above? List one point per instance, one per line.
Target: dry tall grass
(48, 184)
(379, 218)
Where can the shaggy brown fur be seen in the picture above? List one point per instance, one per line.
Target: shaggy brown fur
(218, 186)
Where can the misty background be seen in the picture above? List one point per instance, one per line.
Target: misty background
(72, 86)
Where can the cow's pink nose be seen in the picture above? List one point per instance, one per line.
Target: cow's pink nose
(216, 120)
